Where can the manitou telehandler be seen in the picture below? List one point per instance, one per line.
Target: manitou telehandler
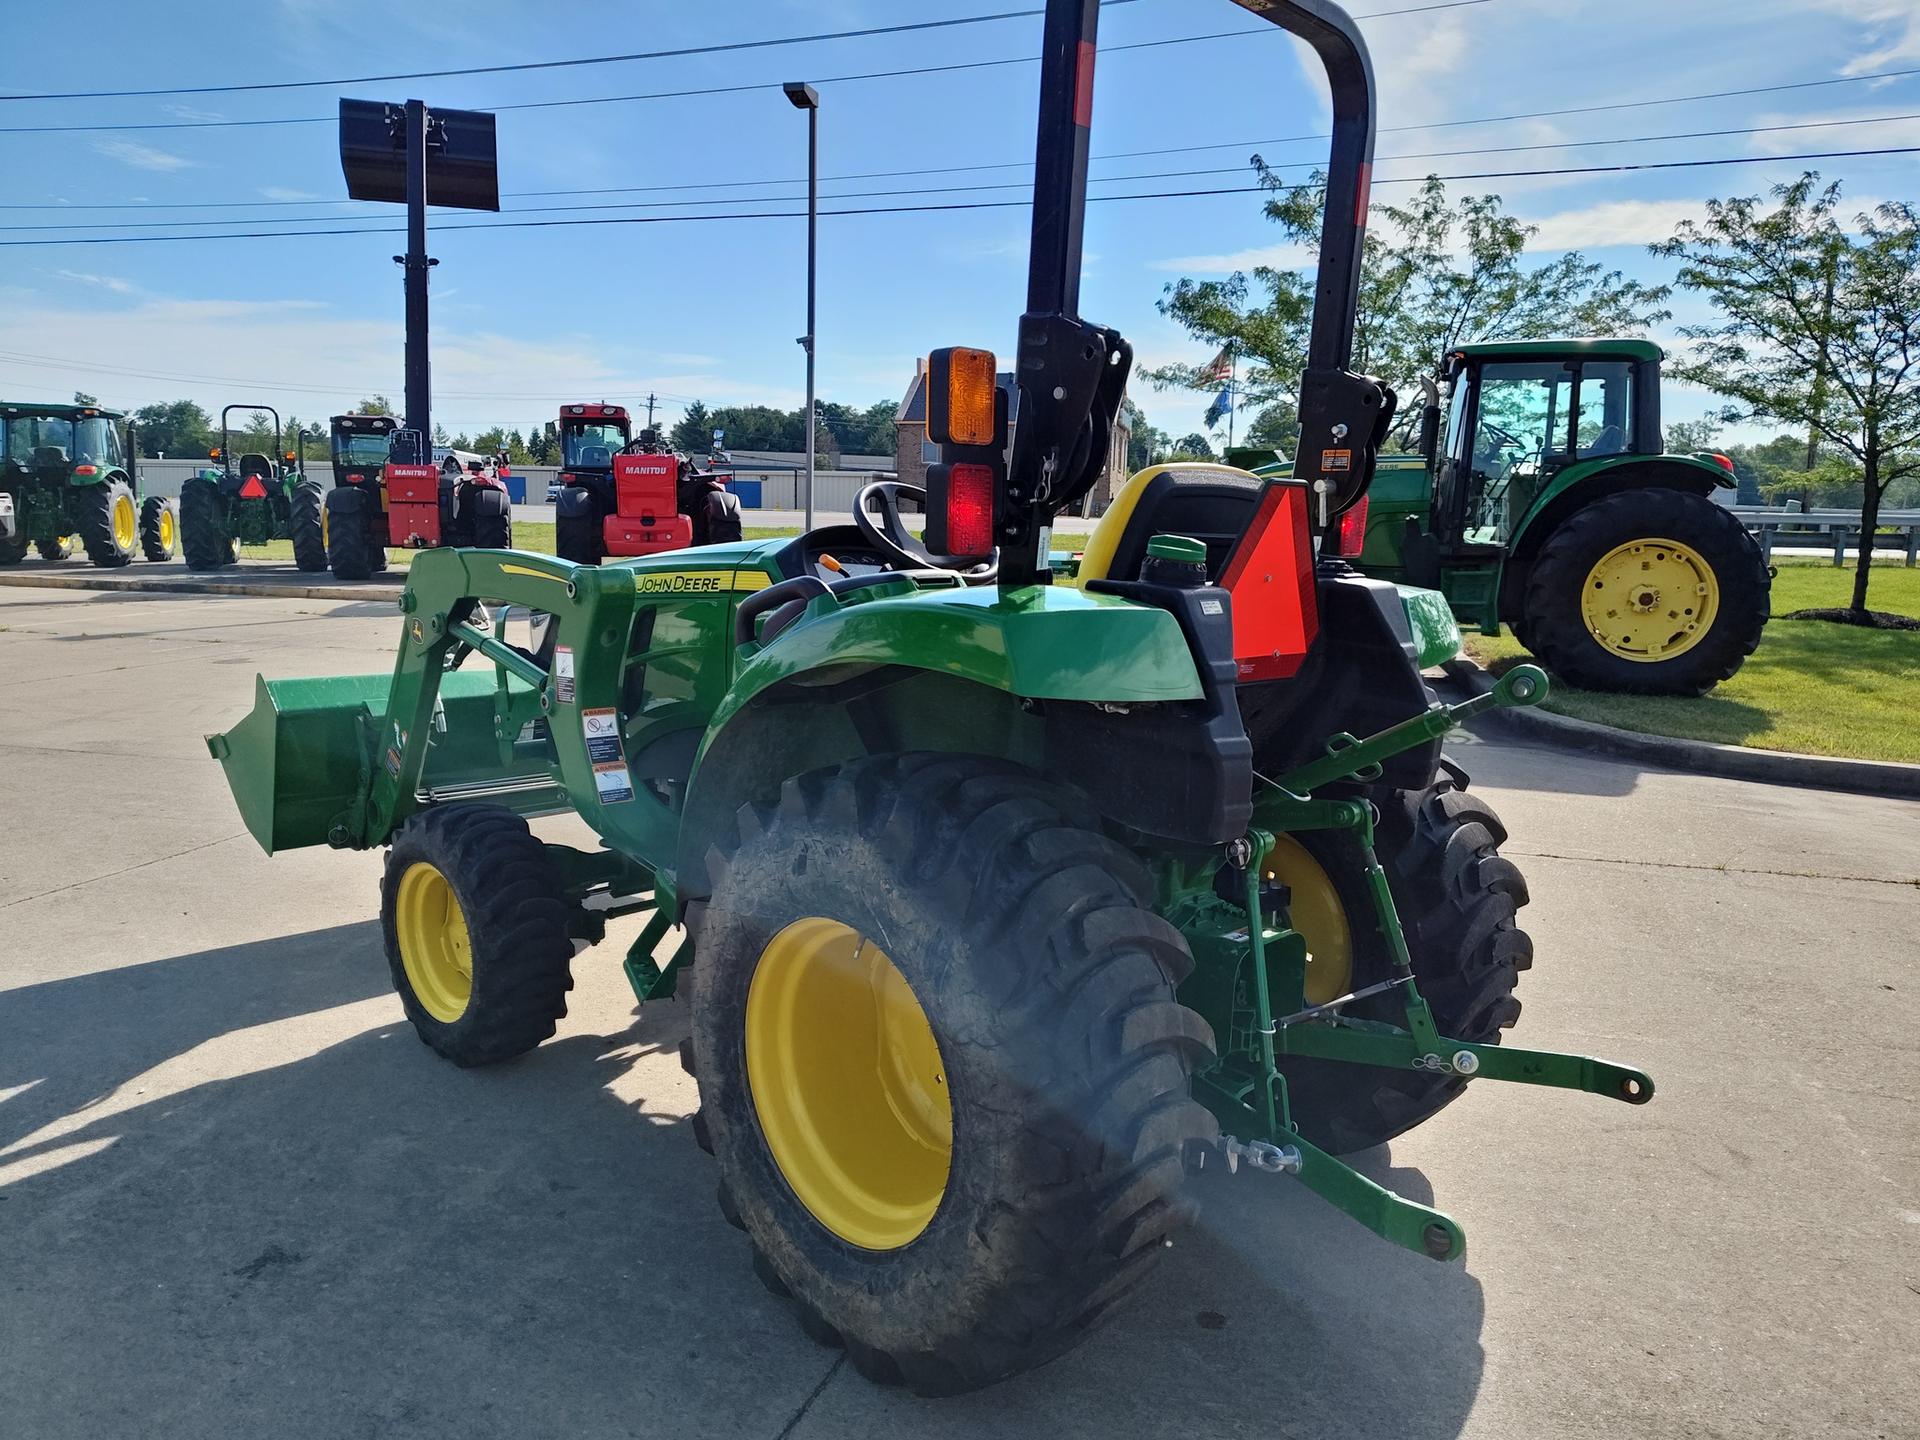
(1008, 904)
(388, 492)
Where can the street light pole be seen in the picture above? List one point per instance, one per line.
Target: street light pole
(805, 97)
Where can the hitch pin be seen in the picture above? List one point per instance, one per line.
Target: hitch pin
(1261, 1155)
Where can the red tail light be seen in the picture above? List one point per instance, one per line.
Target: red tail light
(970, 509)
(1725, 462)
(86, 469)
(1351, 538)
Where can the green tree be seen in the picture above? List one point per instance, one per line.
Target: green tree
(1818, 327)
(1195, 447)
(1435, 273)
(693, 432)
(173, 427)
(80, 397)
(375, 405)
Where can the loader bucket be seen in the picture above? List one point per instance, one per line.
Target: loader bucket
(300, 759)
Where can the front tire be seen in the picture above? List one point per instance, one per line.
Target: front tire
(1647, 592)
(475, 920)
(109, 524)
(1457, 899)
(969, 1136)
(351, 550)
(159, 528)
(58, 548)
(579, 526)
(203, 526)
(306, 526)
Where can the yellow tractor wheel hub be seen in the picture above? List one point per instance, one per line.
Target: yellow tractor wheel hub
(126, 524)
(435, 949)
(166, 529)
(848, 1084)
(1650, 600)
(1319, 915)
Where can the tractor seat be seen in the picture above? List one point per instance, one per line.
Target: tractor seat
(1210, 503)
(256, 465)
(47, 456)
(595, 457)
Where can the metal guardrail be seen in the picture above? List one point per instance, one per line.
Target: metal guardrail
(1838, 528)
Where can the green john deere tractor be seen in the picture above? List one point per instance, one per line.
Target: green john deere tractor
(1007, 902)
(1542, 499)
(252, 498)
(68, 472)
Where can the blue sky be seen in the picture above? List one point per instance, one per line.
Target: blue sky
(526, 319)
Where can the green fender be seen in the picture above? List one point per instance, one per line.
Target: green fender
(978, 655)
(1615, 473)
(102, 477)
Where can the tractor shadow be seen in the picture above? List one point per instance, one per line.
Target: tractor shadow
(250, 1201)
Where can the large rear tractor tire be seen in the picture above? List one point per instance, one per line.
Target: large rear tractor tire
(307, 525)
(1457, 899)
(348, 525)
(579, 526)
(1648, 592)
(159, 528)
(203, 528)
(109, 524)
(475, 921)
(941, 1065)
(492, 513)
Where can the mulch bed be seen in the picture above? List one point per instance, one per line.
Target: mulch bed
(1868, 619)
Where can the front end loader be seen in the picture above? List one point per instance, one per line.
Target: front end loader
(1001, 905)
(251, 498)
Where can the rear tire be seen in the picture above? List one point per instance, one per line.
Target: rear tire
(159, 528)
(492, 512)
(57, 549)
(304, 524)
(502, 915)
(109, 524)
(1567, 643)
(579, 527)
(350, 548)
(1457, 900)
(203, 531)
(1063, 1062)
(13, 549)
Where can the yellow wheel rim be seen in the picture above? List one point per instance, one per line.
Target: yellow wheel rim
(1650, 600)
(323, 529)
(1320, 917)
(166, 529)
(848, 1084)
(126, 524)
(435, 949)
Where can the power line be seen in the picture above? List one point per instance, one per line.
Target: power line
(1621, 169)
(725, 47)
(701, 90)
(1001, 185)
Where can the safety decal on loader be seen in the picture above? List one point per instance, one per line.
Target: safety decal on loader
(563, 675)
(601, 729)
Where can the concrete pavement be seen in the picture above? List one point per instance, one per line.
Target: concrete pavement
(238, 1197)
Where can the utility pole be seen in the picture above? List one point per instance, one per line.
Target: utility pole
(649, 409)
(416, 263)
(805, 97)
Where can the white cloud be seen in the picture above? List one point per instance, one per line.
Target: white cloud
(1858, 130)
(1893, 30)
(281, 192)
(188, 112)
(1613, 222)
(141, 157)
(1283, 256)
(105, 282)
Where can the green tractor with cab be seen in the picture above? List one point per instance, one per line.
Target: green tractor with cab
(1542, 499)
(252, 498)
(1003, 900)
(68, 473)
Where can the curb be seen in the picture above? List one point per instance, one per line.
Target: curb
(1880, 778)
(114, 581)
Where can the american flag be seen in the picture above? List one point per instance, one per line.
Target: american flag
(1221, 369)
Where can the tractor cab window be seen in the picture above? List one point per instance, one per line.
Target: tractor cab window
(1521, 432)
(34, 440)
(358, 448)
(96, 442)
(576, 440)
(1605, 426)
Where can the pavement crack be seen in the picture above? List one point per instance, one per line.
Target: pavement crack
(1912, 884)
(807, 1404)
(128, 870)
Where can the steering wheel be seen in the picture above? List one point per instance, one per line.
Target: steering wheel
(1511, 440)
(889, 535)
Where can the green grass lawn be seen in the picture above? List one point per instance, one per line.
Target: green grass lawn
(1812, 686)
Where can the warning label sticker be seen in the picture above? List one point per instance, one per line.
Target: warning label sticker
(563, 674)
(613, 783)
(1331, 460)
(602, 731)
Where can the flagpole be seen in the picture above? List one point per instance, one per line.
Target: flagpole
(1233, 377)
